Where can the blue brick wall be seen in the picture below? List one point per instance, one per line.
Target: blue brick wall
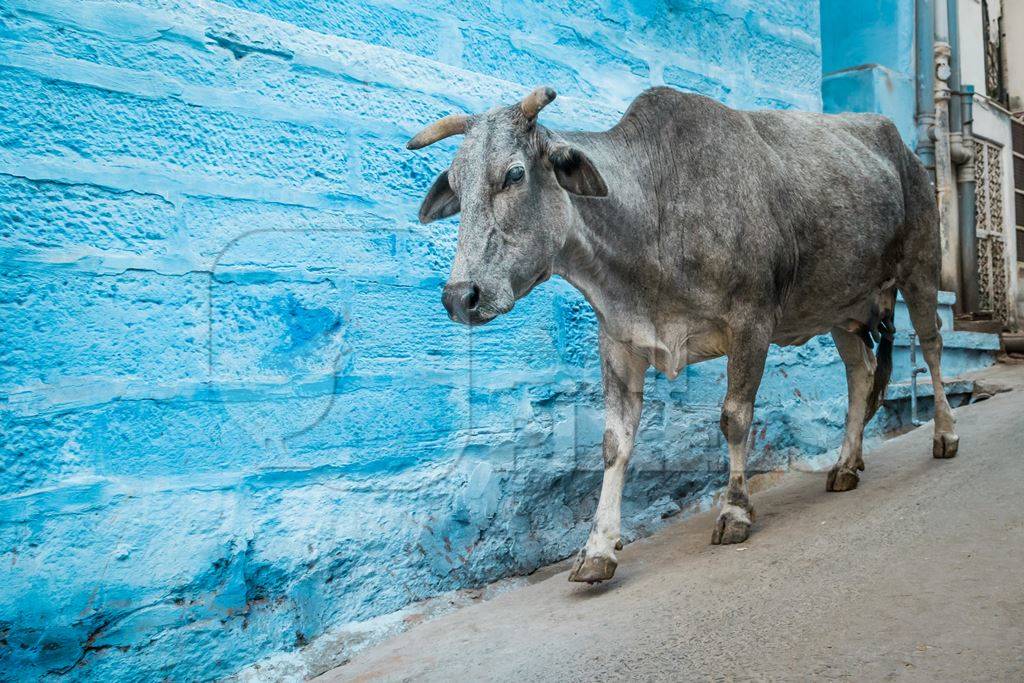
(234, 413)
(868, 60)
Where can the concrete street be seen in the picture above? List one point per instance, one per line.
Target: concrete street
(917, 574)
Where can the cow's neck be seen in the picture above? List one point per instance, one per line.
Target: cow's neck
(610, 254)
(613, 256)
(609, 246)
(609, 239)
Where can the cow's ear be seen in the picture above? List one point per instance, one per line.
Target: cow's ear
(576, 172)
(440, 202)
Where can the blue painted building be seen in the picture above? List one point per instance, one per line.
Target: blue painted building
(234, 414)
(868, 61)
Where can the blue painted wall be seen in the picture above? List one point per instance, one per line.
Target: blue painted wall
(233, 411)
(867, 52)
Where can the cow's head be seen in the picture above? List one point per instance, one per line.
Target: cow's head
(511, 180)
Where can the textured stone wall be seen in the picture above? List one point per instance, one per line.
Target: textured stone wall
(233, 411)
(868, 60)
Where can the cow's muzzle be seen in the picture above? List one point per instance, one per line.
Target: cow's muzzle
(462, 301)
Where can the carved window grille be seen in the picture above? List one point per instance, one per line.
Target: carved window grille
(991, 234)
(1017, 129)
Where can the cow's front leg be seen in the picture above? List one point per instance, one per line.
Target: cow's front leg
(622, 372)
(747, 352)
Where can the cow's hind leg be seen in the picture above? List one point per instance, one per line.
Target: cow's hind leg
(860, 377)
(922, 302)
(747, 353)
(622, 373)
(918, 279)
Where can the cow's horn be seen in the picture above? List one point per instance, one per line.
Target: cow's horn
(453, 124)
(537, 100)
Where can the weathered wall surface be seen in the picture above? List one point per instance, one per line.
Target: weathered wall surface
(233, 411)
(868, 60)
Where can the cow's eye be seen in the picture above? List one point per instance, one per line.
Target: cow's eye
(514, 175)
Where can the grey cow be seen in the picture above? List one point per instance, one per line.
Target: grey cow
(696, 231)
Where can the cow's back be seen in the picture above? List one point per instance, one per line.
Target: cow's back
(801, 209)
(848, 177)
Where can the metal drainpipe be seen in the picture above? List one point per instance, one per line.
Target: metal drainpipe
(968, 225)
(924, 38)
(955, 118)
(944, 177)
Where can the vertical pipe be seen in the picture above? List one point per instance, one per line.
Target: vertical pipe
(924, 37)
(968, 224)
(915, 370)
(949, 278)
(955, 117)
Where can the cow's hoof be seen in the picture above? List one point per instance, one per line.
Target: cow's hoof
(732, 526)
(945, 445)
(592, 568)
(841, 479)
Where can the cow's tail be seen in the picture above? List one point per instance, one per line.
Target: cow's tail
(886, 331)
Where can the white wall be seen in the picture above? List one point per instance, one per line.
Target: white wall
(972, 49)
(1013, 44)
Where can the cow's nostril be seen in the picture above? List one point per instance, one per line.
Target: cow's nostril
(471, 298)
(461, 300)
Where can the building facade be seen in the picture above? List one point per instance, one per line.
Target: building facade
(881, 57)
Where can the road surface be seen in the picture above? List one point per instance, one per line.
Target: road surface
(917, 574)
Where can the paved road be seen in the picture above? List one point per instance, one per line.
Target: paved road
(917, 574)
